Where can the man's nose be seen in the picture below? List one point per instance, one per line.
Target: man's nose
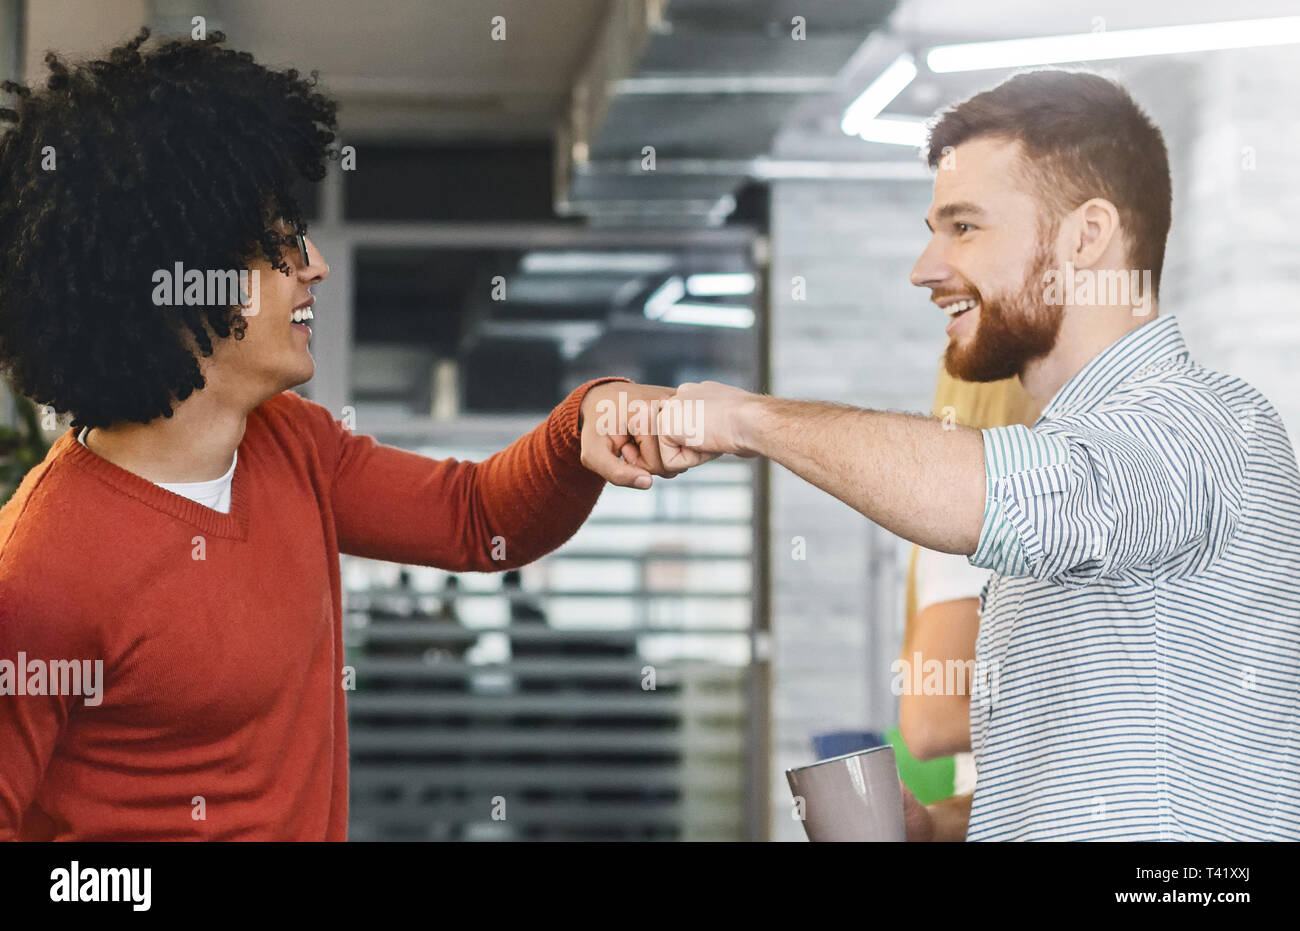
(930, 270)
(318, 268)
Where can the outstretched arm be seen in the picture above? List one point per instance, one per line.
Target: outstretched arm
(503, 512)
(911, 474)
(1151, 478)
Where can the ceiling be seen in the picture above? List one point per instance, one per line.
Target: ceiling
(812, 129)
(962, 20)
(422, 69)
(431, 69)
(703, 87)
(603, 78)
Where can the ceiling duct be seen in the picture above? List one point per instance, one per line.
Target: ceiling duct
(680, 100)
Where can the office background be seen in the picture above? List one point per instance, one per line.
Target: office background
(666, 191)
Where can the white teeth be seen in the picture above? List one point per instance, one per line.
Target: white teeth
(953, 310)
(302, 315)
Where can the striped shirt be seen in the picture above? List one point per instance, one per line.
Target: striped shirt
(1138, 658)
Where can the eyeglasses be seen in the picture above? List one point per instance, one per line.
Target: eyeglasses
(298, 237)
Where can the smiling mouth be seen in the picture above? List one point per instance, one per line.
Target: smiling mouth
(957, 308)
(303, 316)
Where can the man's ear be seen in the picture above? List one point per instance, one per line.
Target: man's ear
(1097, 227)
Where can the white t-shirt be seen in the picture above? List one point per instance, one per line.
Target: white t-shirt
(944, 577)
(213, 494)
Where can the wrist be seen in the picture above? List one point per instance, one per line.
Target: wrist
(752, 417)
(591, 396)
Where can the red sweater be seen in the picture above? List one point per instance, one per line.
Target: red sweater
(223, 675)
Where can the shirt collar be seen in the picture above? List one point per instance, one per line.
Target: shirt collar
(1150, 345)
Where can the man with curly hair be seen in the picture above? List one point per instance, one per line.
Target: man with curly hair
(171, 654)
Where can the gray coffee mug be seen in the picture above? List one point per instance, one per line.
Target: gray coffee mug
(854, 797)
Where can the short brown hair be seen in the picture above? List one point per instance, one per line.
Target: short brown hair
(1085, 137)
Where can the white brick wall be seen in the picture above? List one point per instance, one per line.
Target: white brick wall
(864, 336)
(1233, 268)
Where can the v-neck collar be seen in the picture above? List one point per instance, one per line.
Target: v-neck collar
(211, 522)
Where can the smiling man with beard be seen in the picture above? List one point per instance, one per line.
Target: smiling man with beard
(1138, 658)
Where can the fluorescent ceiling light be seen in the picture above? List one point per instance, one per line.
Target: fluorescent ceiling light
(664, 297)
(631, 263)
(727, 315)
(662, 304)
(879, 94)
(910, 133)
(1123, 43)
(714, 285)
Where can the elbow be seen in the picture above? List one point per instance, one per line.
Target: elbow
(931, 733)
(920, 740)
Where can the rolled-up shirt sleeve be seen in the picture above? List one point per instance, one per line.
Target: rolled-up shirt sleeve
(1077, 500)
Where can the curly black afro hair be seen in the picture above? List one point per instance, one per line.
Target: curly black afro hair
(184, 152)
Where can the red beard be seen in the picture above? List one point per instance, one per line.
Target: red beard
(1011, 331)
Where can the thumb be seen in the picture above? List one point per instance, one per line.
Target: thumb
(678, 456)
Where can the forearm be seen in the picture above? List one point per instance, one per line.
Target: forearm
(936, 723)
(536, 493)
(508, 510)
(912, 475)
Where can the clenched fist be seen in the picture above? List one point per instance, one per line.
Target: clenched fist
(703, 421)
(617, 424)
